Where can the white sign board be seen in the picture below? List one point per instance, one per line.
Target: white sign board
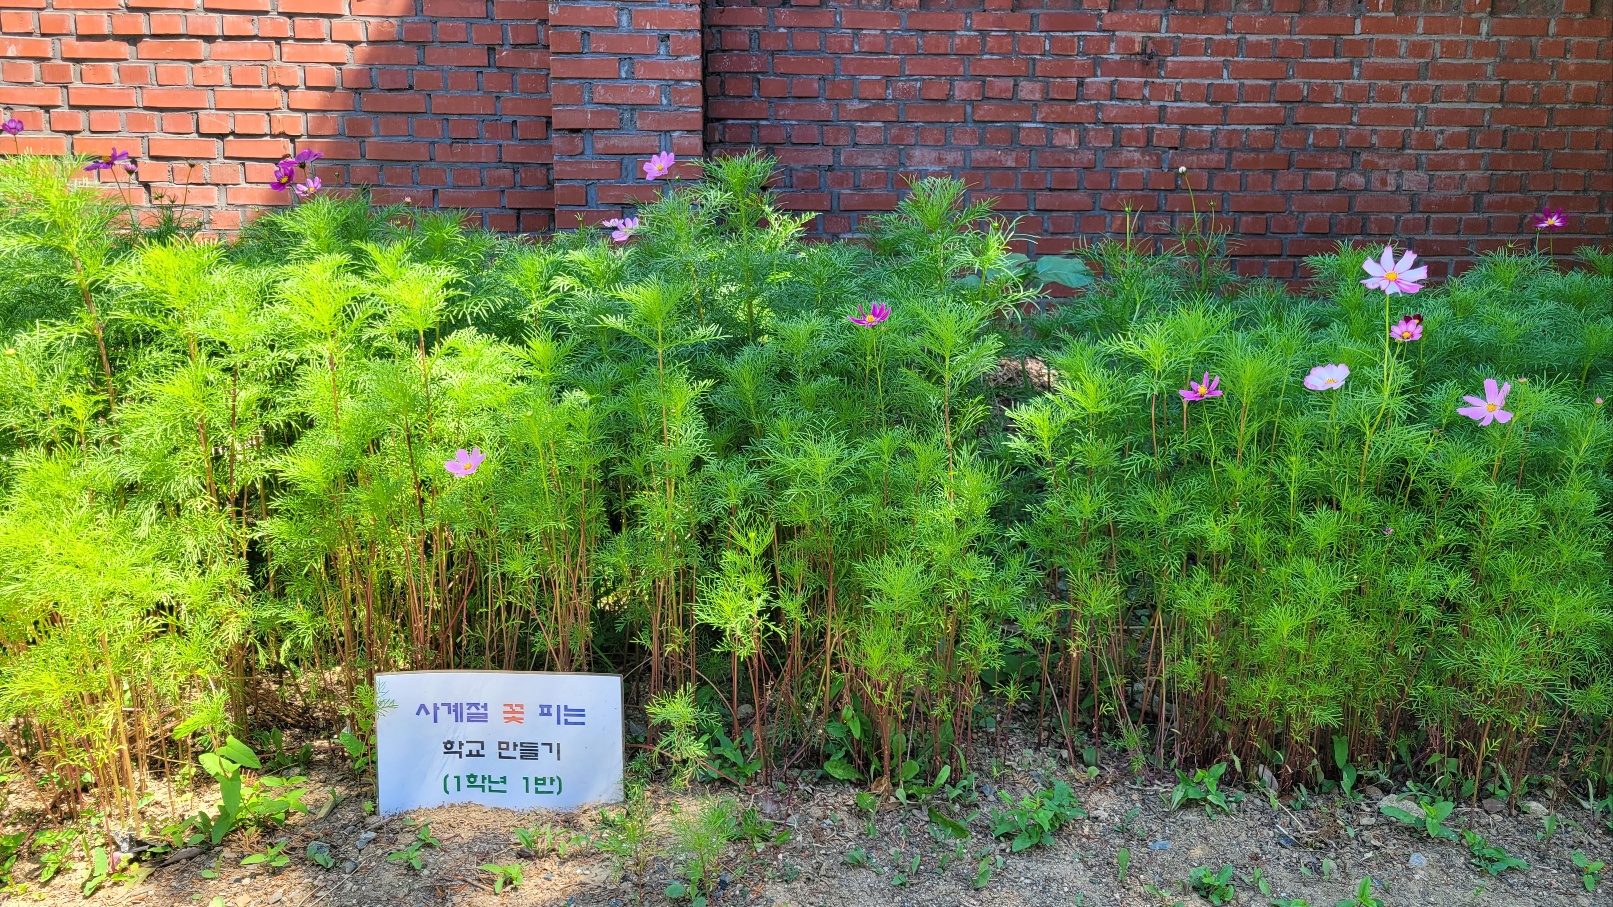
(499, 738)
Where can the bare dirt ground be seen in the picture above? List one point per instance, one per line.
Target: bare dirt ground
(835, 856)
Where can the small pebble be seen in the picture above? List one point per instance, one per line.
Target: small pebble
(365, 839)
(1418, 861)
(1160, 845)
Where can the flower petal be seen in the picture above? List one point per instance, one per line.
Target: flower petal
(1405, 263)
(1503, 416)
(1490, 390)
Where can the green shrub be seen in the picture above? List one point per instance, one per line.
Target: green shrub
(841, 535)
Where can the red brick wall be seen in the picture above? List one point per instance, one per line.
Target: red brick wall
(626, 85)
(1440, 122)
(442, 101)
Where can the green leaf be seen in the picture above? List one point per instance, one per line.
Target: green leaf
(1398, 814)
(841, 769)
(239, 753)
(910, 769)
(951, 826)
(1064, 271)
(676, 890)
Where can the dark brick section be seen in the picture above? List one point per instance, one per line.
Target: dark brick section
(1441, 124)
(445, 102)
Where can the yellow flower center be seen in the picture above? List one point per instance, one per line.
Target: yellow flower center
(1490, 407)
(1406, 334)
(1391, 275)
(1330, 381)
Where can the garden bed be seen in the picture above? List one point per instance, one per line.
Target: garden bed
(853, 519)
(1317, 850)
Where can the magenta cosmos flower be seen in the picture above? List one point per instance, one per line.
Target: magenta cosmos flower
(1394, 277)
(621, 229)
(107, 161)
(659, 165)
(465, 463)
(285, 173)
(1201, 390)
(1489, 409)
(877, 313)
(12, 126)
(1407, 329)
(1327, 377)
(1551, 219)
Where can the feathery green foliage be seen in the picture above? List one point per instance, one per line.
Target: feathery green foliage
(224, 478)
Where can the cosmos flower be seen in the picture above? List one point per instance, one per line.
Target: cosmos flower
(465, 463)
(1327, 377)
(285, 173)
(1489, 409)
(1394, 277)
(12, 126)
(877, 313)
(1408, 329)
(107, 161)
(1551, 219)
(306, 156)
(307, 189)
(621, 229)
(659, 165)
(1202, 390)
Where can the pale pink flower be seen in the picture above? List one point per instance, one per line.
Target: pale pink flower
(621, 229)
(1327, 377)
(659, 165)
(1408, 329)
(1394, 277)
(465, 463)
(1489, 409)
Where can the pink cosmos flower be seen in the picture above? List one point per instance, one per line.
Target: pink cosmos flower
(1407, 329)
(12, 126)
(1551, 219)
(877, 313)
(106, 162)
(1201, 390)
(1489, 409)
(659, 165)
(307, 190)
(1327, 377)
(285, 173)
(621, 229)
(1394, 277)
(465, 462)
